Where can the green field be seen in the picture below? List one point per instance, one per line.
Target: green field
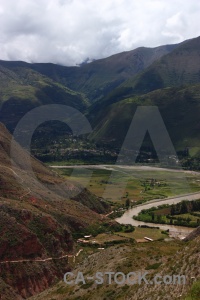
(139, 233)
(135, 185)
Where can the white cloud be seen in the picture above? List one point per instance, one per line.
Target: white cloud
(69, 31)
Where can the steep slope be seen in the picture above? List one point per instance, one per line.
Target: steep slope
(22, 89)
(194, 234)
(157, 258)
(98, 78)
(25, 86)
(181, 66)
(37, 219)
(179, 108)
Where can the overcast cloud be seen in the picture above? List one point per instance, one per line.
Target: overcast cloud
(69, 31)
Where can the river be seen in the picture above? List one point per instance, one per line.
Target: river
(127, 217)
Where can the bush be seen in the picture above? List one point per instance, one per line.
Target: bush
(195, 290)
(153, 267)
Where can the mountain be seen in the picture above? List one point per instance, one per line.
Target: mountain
(25, 86)
(39, 213)
(98, 78)
(179, 107)
(115, 79)
(179, 67)
(22, 89)
(171, 83)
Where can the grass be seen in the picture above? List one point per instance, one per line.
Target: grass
(139, 233)
(153, 266)
(109, 238)
(134, 184)
(194, 293)
(188, 215)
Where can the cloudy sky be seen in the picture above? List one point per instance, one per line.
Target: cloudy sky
(69, 31)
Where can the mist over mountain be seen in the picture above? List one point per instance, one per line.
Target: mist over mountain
(98, 78)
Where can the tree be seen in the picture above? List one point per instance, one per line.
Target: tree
(159, 219)
(153, 216)
(127, 202)
(184, 208)
(173, 210)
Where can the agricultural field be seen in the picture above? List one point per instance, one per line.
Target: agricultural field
(135, 185)
(140, 232)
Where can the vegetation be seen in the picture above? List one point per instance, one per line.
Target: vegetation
(157, 258)
(139, 186)
(113, 124)
(140, 232)
(194, 292)
(44, 221)
(185, 213)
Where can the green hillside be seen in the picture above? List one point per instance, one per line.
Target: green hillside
(22, 89)
(181, 66)
(179, 108)
(166, 76)
(100, 77)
